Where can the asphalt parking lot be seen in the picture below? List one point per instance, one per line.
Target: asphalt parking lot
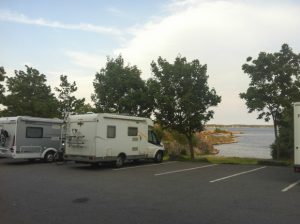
(171, 192)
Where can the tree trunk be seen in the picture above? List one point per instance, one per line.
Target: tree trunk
(275, 130)
(276, 141)
(191, 147)
(276, 138)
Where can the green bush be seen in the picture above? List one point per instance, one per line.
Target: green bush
(183, 152)
(218, 130)
(285, 140)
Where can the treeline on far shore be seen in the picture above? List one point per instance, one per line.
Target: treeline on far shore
(238, 126)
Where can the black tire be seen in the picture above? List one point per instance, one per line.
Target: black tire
(120, 161)
(158, 157)
(136, 161)
(49, 157)
(31, 160)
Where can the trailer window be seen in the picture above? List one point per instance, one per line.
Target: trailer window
(111, 131)
(34, 132)
(132, 131)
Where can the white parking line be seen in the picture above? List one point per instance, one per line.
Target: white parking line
(237, 174)
(183, 170)
(132, 167)
(290, 186)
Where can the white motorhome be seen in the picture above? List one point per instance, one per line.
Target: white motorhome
(297, 137)
(31, 138)
(94, 138)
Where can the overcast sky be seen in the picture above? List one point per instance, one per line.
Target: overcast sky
(74, 38)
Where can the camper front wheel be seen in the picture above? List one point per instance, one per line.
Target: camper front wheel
(158, 157)
(49, 157)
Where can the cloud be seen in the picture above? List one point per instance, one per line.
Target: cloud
(114, 11)
(221, 34)
(213, 30)
(9, 16)
(85, 65)
(87, 60)
(83, 78)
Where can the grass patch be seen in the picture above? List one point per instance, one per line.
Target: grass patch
(230, 160)
(219, 160)
(269, 162)
(166, 157)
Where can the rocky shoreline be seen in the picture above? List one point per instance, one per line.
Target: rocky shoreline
(217, 137)
(204, 142)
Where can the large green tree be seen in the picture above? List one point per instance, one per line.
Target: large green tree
(29, 95)
(182, 96)
(67, 101)
(274, 85)
(120, 89)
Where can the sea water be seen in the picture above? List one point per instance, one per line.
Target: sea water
(254, 142)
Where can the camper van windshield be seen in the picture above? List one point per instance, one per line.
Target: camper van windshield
(152, 138)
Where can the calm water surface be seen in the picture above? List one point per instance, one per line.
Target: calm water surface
(254, 143)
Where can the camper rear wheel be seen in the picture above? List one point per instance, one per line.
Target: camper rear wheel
(120, 161)
(158, 157)
(49, 157)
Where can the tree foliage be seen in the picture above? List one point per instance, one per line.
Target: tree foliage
(274, 85)
(2, 88)
(67, 101)
(182, 96)
(85, 108)
(29, 95)
(120, 89)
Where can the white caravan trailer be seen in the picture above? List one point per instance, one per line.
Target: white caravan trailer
(93, 138)
(297, 137)
(25, 137)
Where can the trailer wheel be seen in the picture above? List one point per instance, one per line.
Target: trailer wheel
(158, 157)
(49, 157)
(120, 161)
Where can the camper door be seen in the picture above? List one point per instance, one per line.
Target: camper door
(132, 133)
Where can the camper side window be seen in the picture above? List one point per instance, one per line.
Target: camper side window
(34, 132)
(111, 131)
(132, 131)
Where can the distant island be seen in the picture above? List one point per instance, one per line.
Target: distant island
(238, 126)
